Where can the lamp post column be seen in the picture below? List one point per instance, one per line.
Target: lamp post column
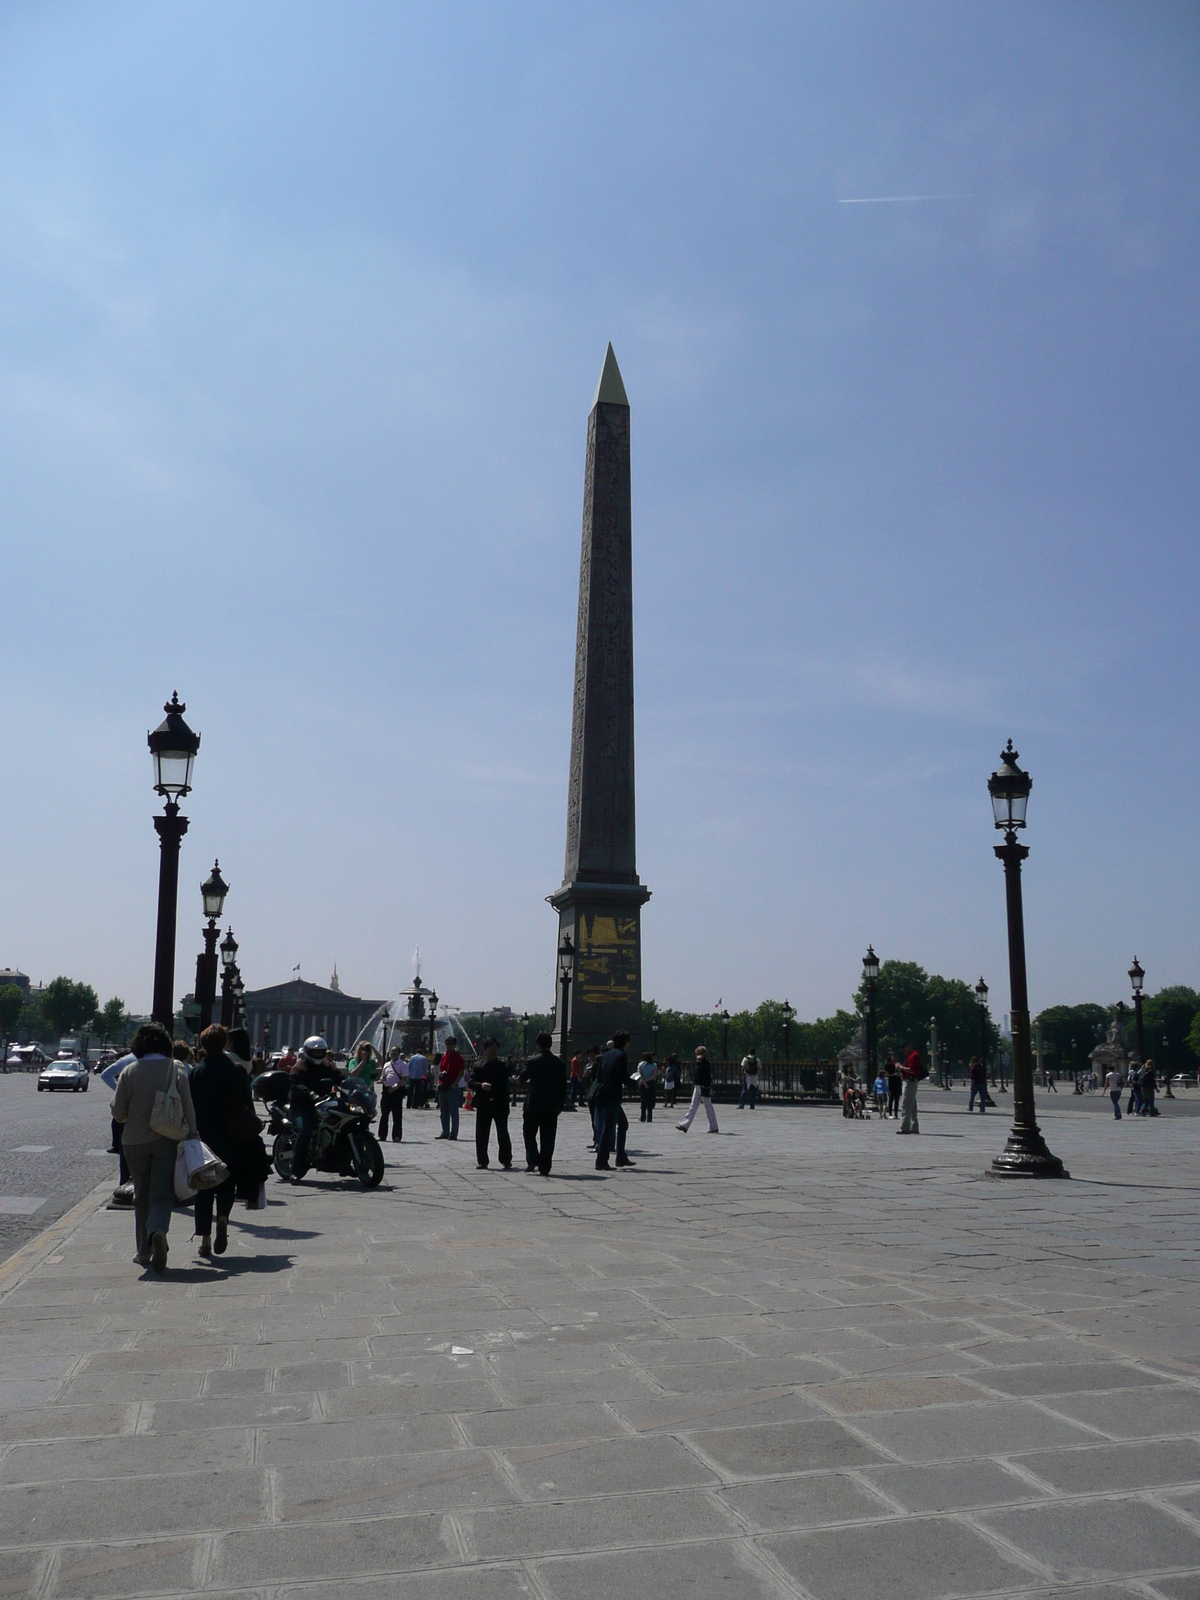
(170, 829)
(206, 992)
(227, 998)
(1026, 1154)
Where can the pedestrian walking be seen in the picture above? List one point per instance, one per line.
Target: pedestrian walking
(151, 1154)
(648, 1084)
(749, 1081)
(1114, 1083)
(546, 1078)
(977, 1073)
(591, 1088)
(1134, 1083)
(490, 1088)
(452, 1070)
(612, 1125)
(701, 1093)
(228, 1125)
(575, 1083)
(1149, 1086)
(670, 1081)
(910, 1073)
(895, 1083)
(392, 1084)
(880, 1091)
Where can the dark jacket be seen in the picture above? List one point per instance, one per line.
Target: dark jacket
(489, 1080)
(217, 1084)
(702, 1073)
(612, 1076)
(547, 1079)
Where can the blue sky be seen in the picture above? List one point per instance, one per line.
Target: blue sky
(301, 311)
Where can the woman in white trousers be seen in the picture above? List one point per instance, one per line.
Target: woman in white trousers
(701, 1094)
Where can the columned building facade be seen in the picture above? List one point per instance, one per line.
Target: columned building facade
(289, 1013)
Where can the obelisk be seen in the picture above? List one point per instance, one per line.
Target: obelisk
(600, 902)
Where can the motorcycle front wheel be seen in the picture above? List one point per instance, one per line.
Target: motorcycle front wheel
(282, 1151)
(368, 1158)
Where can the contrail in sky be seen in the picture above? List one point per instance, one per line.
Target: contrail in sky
(899, 199)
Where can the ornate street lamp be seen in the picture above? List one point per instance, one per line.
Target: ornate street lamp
(524, 1036)
(870, 976)
(981, 994)
(1026, 1154)
(654, 1037)
(212, 893)
(788, 1012)
(229, 950)
(724, 1019)
(566, 966)
(173, 747)
(433, 1005)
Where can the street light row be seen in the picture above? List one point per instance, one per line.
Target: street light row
(173, 747)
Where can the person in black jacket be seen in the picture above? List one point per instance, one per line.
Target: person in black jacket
(221, 1095)
(612, 1124)
(547, 1093)
(701, 1093)
(489, 1085)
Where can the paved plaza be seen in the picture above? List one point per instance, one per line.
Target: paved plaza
(803, 1358)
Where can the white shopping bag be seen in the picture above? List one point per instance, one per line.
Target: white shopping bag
(198, 1167)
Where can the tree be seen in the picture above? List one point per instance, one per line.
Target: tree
(113, 1021)
(67, 1005)
(12, 1003)
(1071, 1033)
(901, 1005)
(1170, 1014)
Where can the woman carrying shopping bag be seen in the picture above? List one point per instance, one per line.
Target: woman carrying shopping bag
(230, 1128)
(154, 1103)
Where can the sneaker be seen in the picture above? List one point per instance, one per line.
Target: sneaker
(204, 1248)
(158, 1251)
(221, 1242)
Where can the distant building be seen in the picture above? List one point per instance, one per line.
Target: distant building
(18, 980)
(292, 1011)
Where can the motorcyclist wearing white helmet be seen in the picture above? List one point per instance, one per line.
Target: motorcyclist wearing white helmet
(312, 1077)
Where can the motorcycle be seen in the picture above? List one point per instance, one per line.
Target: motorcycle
(342, 1140)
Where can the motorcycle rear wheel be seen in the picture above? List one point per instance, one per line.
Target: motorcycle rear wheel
(368, 1159)
(282, 1152)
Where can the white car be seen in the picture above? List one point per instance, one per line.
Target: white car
(69, 1073)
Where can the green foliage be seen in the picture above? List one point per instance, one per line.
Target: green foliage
(1170, 1014)
(1071, 1033)
(113, 1021)
(907, 999)
(761, 1030)
(509, 1030)
(67, 1005)
(1193, 1038)
(12, 1003)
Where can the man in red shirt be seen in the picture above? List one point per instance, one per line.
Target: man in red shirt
(451, 1070)
(910, 1072)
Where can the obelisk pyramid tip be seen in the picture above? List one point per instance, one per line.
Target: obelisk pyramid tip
(610, 389)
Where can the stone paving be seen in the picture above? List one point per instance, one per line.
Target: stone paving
(805, 1358)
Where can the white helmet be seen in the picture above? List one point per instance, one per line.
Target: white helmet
(314, 1050)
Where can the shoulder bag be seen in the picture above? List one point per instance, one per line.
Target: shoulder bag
(166, 1119)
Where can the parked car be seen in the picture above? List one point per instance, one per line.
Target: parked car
(1185, 1080)
(68, 1072)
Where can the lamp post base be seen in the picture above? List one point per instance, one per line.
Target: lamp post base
(1027, 1156)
